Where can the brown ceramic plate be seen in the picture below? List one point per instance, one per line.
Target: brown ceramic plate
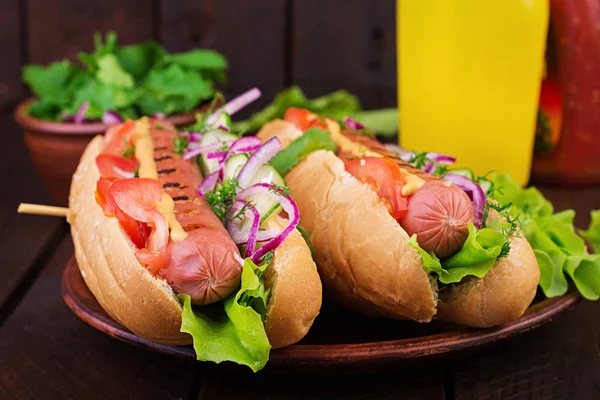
(340, 339)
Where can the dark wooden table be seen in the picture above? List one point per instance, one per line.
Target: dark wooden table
(46, 352)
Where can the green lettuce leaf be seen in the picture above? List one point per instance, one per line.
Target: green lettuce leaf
(559, 250)
(235, 333)
(431, 263)
(139, 59)
(336, 105)
(592, 234)
(476, 258)
(312, 140)
(384, 121)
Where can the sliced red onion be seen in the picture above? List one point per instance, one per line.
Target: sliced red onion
(195, 136)
(78, 118)
(194, 151)
(208, 184)
(262, 156)
(244, 144)
(441, 158)
(223, 128)
(404, 154)
(474, 191)
(216, 154)
(353, 124)
(159, 115)
(289, 206)
(67, 117)
(111, 117)
(234, 229)
(235, 105)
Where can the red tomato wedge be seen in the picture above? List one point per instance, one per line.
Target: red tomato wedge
(139, 198)
(137, 231)
(304, 119)
(119, 138)
(384, 177)
(113, 166)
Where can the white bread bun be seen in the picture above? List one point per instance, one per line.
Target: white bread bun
(361, 251)
(501, 296)
(146, 305)
(366, 264)
(124, 288)
(285, 132)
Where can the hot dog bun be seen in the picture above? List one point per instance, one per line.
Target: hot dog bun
(146, 305)
(361, 251)
(366, 265)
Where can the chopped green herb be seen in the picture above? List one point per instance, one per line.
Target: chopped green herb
(181, 144)
(223, 197)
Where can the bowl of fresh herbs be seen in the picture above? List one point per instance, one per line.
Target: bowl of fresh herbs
(76, 101)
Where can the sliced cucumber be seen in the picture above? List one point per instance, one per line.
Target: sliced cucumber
(211, 165)
(233, 165)
(463, 171)
(223, 119)
(264, 204)
(485, 184)
(267, 174)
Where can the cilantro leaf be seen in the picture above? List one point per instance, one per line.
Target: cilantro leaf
(50, 83)
(111, 73)
(139, 59)
(312, 140)
(201, 59)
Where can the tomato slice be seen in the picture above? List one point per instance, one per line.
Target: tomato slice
(113, 166)
(139, 198)
(384, 177)
(119, 138)
(304, 119)
(137, 231)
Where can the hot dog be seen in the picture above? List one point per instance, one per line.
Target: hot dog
(143, 233)
(381, 226)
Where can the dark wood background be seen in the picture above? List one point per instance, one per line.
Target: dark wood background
(320, 45)
(323, 45)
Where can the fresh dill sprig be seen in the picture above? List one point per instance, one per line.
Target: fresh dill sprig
(280, 190)
(223, 197)
(181, 144)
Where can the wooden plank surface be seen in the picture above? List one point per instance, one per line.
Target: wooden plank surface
(60, 29)
(22, 238)
(249, 33)
(346, 44)
(11, 89)
(426, 384)
(48, 353)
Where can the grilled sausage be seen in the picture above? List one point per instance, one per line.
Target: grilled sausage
(438, 213)
(204, 264)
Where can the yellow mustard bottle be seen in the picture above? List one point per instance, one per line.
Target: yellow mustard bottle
(469, 74)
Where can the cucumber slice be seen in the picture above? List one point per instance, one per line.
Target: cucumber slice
(485, 184)
(463, 171)
(223, 119)
(233, 165)
(265, 205)
(267, 174)
(211, 165)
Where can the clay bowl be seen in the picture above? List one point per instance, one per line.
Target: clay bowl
(55, 147)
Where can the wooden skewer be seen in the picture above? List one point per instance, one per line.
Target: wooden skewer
(40, 209)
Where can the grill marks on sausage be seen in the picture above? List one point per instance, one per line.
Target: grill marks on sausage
(379, 148)
(180, 178)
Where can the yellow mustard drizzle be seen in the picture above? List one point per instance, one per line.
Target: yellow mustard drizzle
(144, 152)
(412, 182)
